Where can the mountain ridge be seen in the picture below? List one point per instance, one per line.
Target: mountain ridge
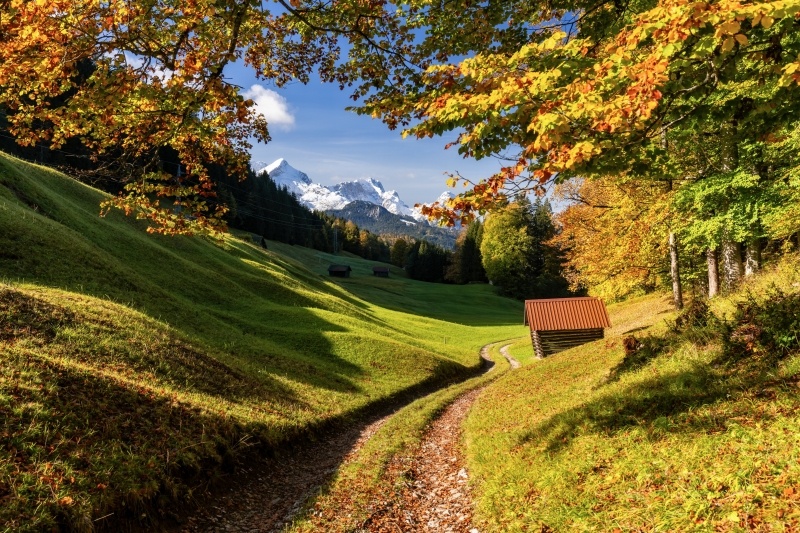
(326, 198)
(357, 200)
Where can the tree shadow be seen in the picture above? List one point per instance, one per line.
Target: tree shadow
(85, 444)
(644, 403)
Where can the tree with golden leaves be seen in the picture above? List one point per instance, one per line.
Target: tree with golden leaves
(614, 235)
(580, 88)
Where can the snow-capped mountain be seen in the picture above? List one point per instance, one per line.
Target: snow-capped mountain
(321, 198)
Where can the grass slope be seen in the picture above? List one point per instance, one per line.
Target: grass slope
(682, 439)
(133, 364)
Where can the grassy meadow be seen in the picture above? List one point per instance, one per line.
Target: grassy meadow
(698, 431)
(135, 366)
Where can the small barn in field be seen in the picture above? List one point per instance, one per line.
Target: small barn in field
(561, 323)
(340, 271)
(380, 271)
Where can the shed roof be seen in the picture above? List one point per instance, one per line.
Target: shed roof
(566, 313)
(380, 269)
(339, 268)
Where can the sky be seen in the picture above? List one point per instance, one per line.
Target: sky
(312, 131)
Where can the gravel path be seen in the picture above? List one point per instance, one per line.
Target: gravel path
(265, 495)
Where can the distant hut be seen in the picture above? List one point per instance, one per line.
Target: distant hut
(380, 271)
(340, 271)
(561, 323)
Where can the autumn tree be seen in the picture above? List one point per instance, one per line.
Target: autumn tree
(614, 235)
(130, 78)
(579, 89)
(583, 89)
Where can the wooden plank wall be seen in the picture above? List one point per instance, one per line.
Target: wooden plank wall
(549, 342)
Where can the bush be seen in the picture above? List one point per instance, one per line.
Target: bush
(768, 325)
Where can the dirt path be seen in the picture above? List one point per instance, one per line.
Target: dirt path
(436, 496)
(276, 488)
(264, 496)
(511, 361)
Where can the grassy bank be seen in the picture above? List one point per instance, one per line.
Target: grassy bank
(135, 365)
(694, 432)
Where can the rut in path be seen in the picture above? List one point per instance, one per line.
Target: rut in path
(272, 490)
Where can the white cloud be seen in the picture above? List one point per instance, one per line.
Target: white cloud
(273, 106)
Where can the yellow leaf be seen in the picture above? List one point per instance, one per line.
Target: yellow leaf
(741, 39)
(730, 27)
(727, 46)
(767, 22)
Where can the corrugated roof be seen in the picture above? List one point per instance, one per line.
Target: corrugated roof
(566, 313)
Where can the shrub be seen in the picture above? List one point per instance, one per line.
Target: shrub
(768, 325)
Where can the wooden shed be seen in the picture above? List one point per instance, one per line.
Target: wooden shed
(561, 323)
(340, 271)
(380, 271)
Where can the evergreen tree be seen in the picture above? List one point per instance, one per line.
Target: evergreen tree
(466, 264)
(516, 253)
(400, 250)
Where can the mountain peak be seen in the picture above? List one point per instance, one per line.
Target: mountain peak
(325, 198)
(282, 173)
(375, 183)
(280, 163)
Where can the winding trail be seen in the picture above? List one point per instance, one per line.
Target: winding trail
(436, 496)
(268, 493)
(511, 361)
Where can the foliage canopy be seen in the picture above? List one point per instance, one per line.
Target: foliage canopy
(576, 88)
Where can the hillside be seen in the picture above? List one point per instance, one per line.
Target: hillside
(695, 431)
(135, 363)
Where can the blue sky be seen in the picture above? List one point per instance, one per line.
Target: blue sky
(312, 131)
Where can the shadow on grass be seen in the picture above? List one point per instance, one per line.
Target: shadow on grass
(638, 353)
(473, 305)
(156, 358)
(649, 403)
(78, 445)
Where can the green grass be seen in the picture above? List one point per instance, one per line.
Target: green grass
(135, 365)
(684, 441)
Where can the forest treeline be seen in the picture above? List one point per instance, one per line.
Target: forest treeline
(526, 268)
(520, 268)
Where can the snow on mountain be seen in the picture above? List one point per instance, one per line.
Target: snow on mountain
(319, 197)
(258, 166)
(372, 191)
(282, 173)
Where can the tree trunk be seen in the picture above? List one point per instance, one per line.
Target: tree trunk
(713, 272)
(674, 270)
(732, 268)
(752, 257)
